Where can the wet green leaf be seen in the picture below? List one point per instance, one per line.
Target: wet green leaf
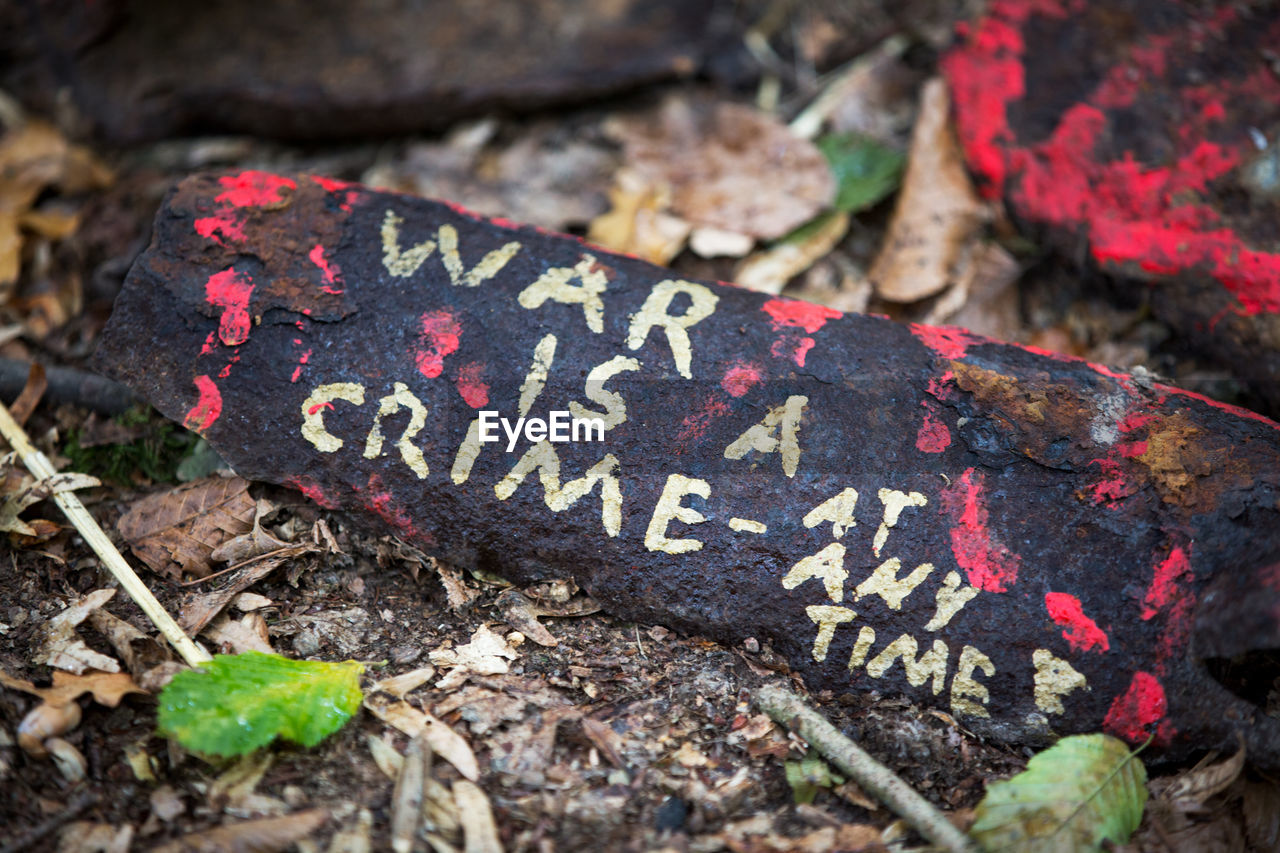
(1074, 796)
(238, 703)
(866, 170)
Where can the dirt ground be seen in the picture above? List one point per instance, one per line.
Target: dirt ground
(620, 736)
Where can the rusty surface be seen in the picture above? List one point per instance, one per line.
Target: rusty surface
(1032, 543)
(1145, 134)
(317, 69)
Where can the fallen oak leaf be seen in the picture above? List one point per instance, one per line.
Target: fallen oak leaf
(58, 712)
(177, 531)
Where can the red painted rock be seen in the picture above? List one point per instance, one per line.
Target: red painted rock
(317, 69)
(1035, 544)
(1149, 131)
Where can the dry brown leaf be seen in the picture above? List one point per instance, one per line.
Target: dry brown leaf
(356, 836)
(1190, 789)
(177, 531)
(238, 781)
(937, 212)
(769, 270)
(255, 543)
(406, 797)
(387, 758)
(708, 242)
(198, 609)
(486, 654)
(33, 157)
(83, 836)
(240, 635)
(404, 683)
(20, 490)
(638, 222)
(60, 645)
(1261, 806)
(446, 743)
(251, 836)
(522, 615)
(483, 709)
(605, 739)
(728, 166)
(136, 649)
(524, 751)
(983, 299)
(476, 816)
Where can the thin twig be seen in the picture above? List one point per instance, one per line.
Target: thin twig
(82, 803)
(40, 466)
(873, 777)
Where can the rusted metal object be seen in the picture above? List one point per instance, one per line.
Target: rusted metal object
(1149, 132)
(1033, 543)
(324, 69)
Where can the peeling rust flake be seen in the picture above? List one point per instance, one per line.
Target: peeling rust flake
(1037, 545)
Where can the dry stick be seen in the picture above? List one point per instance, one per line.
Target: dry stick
(39, 465)
(874, 778)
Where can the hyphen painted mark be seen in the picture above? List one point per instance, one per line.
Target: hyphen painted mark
(989, 565)
(1080, 632)
(230, 290)
(439, 338)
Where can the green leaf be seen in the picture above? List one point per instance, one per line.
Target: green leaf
(807, 775)
(866, 171)
(200, 461)
(1072, 797)
(238, 703)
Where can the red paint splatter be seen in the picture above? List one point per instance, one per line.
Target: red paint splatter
(319, 407)
(947, 341)
(209, 343)
(1166, 582)
(1081, 632)
(253, 189)
(208, 406)
(382, 503)
(471, 385)
(933, 435)
(1132, 213)
(1163, 392)
(220, 227)
(349, 192)
(740, 378)
(799, 314)
(313, 491)
(788, 314)
(696, 424)
(989, 565)
(440, 336)
(1113, 485)
(230, 291)
(330, 271)
(302, 360)
(1141, 706)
